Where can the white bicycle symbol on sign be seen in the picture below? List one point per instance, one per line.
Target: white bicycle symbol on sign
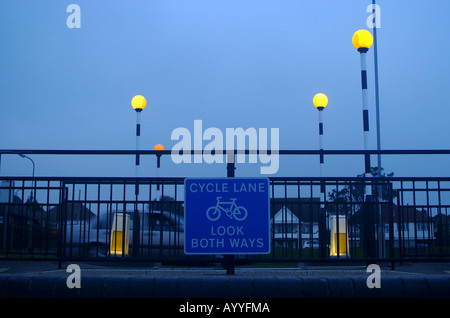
(239, 213)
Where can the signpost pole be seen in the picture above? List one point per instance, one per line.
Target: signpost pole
(229, 259)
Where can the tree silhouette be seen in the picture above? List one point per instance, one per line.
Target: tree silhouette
(341, 201)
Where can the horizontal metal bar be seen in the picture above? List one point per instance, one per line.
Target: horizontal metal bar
(180, 180)
(236, 151)
(96, 180)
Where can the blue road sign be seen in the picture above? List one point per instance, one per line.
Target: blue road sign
(227, 216)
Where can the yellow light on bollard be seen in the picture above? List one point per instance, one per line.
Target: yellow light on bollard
(320, 101)
(362, 40)
(120, 234)
(138, 102)
(339, 243)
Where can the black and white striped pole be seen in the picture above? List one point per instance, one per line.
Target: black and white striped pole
(138, 103)
(320, 101)
(363, 40)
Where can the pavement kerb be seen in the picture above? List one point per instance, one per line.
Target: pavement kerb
(103, 286)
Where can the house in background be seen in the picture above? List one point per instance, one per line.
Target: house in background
(295, 221)
(75, 212)
(27, 225)
(406, 225)
(410, 225)
(286, 229)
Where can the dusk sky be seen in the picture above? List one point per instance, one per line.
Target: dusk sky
(229, 63)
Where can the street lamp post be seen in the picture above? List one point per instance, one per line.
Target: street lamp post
(138, 103)
(34, 169)
(320, 101)
(32, 202)
(377, 112)
(362, 40)
(32, 161)
(158, 147)
(377, 88)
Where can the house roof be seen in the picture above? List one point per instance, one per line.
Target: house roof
(74, 211)
(284, 215)
(305, 209)
(404, 214)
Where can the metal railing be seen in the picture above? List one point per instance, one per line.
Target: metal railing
(312, 220)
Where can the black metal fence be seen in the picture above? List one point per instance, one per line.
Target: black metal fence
(312, 220)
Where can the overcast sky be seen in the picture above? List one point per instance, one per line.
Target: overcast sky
(229, 63)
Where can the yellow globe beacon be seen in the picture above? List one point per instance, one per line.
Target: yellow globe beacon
(362, 40)
(320, 101)
(138, 102)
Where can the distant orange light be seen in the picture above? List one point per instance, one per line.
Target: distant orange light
(158, 147)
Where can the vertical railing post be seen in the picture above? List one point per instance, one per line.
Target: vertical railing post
(369, 227)
(229, 259)
(136, 228)
(61, 217)
(391, 225)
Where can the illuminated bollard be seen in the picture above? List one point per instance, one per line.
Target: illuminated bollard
(339, 236)
(120, 236)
